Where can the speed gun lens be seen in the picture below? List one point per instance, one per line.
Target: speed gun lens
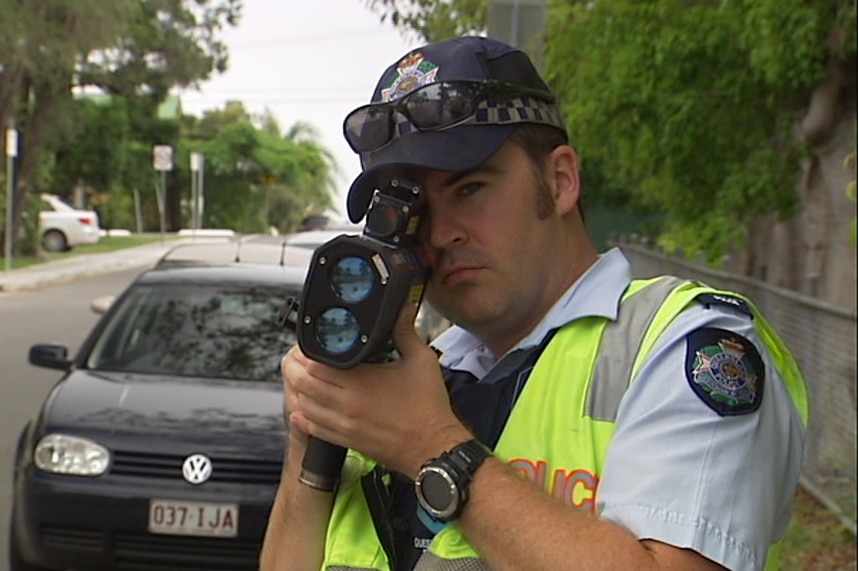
(353, 279)
(337, 330)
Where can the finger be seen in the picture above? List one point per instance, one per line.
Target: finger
(319, 422)
(289, 400)
(299, 423)
(290, 368)
(303, 384)
(291, 361)
(303, 426)
(296, 353)
(284, 362)
(295, 366)
(404, 334)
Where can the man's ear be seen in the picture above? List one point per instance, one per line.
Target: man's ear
(567, 178)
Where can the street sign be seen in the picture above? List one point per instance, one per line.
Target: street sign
(196, 162)
(11, 153)
(162, 157)
(162, 160)
(11, 143)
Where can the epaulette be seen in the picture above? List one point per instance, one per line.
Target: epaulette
(720, 300)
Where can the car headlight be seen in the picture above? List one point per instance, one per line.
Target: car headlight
(63, 454)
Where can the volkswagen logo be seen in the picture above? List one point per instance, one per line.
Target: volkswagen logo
(197, 468)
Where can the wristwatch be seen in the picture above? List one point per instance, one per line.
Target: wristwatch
(442, 483)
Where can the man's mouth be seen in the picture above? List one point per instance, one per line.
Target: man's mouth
(456, 274)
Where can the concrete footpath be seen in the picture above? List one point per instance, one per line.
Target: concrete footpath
(48, 273)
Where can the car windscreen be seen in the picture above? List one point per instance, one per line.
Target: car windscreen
(195, 330)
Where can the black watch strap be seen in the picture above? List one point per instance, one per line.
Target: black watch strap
(457, 467)
(468, 456)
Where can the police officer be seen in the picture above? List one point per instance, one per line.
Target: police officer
(579, 419)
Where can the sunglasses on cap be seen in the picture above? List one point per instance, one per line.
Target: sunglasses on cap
(433, 107)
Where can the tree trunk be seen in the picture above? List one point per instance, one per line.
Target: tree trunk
(47, 96)
(811, 253)
(10, 80)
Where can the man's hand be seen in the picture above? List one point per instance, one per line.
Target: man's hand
(398, 413)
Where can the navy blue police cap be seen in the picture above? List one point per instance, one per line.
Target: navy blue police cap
(462, 147)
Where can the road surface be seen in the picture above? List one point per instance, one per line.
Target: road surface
(54, 314)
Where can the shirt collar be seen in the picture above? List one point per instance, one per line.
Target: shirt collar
(597, 293)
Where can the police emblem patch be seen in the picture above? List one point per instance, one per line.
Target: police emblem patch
(412, 72)
(725, 371)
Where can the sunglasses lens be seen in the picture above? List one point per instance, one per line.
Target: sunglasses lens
(368, 128)
(441, 104)
(428, 108)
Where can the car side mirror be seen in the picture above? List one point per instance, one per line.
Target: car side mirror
(100, 305)
(50, 356)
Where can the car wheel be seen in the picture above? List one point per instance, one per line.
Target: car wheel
(54, 241)
(16, 561)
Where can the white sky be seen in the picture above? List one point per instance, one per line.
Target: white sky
(308, 61)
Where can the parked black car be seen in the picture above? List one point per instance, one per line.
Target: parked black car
(161, 445)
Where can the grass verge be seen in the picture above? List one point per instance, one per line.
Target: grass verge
(106, 244)
(816, 540)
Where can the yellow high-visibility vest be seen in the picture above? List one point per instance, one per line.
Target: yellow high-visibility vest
(571, 374)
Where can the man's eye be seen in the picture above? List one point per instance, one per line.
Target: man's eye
(468, 189)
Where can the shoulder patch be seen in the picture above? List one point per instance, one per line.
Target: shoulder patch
(740, 305)
(725, 370)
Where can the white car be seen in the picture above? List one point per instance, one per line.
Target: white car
(312, 239)
(62, 226)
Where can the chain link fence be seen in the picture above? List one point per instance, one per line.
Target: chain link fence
(822, 338)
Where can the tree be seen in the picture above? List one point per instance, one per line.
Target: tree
(695, 107)
(678, 93)
(849, 164)
(168, 43)
(135, 48)
(729, 118)
(98, 153)
(434, 20)
(256, 177)
(38, 57)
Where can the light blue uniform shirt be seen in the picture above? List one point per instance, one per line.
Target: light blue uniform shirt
(676, 471)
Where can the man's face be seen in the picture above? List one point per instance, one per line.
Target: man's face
(493, 271)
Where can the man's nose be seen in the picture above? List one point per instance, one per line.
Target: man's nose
(444, 230)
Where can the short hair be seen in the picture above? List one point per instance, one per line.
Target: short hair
(538, 141)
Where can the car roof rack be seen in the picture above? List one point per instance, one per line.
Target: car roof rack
(241, 251)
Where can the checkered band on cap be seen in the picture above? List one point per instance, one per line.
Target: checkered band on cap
(494, 112)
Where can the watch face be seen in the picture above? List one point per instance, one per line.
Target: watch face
(438, 494)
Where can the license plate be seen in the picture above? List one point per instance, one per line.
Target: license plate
(193, 518)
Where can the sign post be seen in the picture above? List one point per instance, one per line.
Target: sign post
(162, 160)
(197, 162)
(520, 23)
(11, 153)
